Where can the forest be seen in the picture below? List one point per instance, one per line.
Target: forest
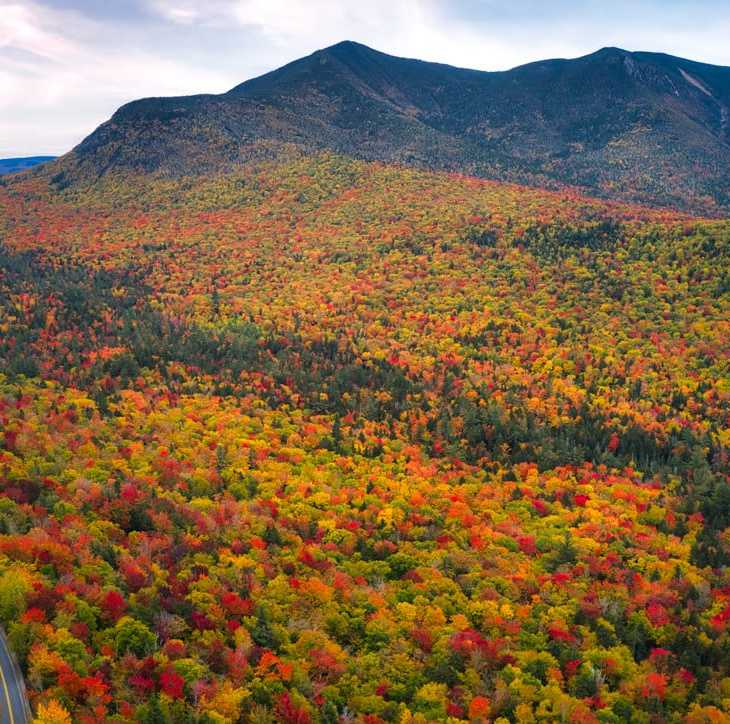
(327, 441)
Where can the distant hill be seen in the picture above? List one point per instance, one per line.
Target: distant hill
(642, 126)
(13, 165)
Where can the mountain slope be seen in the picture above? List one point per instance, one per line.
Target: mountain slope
(645, 126)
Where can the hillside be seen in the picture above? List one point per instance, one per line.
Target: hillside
(13, 165)
(641, 126)
(324, 440)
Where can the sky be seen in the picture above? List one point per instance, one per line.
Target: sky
(67, 65)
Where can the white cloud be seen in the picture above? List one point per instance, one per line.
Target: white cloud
(62, 74)
(19, 29)
(215, 13)
(486, 34)
(419, 28)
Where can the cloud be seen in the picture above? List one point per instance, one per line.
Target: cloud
(19, 29)
(429, 29)
(187, 12)
(485, 34)
(62, 74)
(66, 65)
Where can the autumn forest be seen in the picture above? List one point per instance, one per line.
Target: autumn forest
(326, 440)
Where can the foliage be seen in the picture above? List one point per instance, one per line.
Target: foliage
(331, 441)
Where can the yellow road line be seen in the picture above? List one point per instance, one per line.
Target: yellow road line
(5, 687)
(7, 696)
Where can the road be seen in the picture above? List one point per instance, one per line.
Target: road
(14, 708)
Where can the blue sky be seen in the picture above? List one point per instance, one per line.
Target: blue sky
(66, 65)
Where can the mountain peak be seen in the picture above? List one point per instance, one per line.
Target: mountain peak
(611, 50)
(348, 46)
(350, 52)
(346, 51)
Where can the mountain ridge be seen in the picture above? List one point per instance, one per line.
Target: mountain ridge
(641, 126)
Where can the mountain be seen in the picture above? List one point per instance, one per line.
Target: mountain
(643, 126)
(13, 165)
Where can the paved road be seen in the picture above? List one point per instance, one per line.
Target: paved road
(14, 708)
